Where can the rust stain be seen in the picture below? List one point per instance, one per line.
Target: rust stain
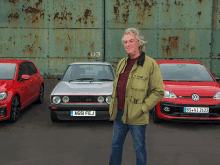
(174, 41)
(200, 1)
(63, 15)
(163, 39)
(13, 15)
(116, 10)
(66, 49)
(13, 1)
(38, 3)
(87, 16)
(179, 3)
(193, 49)
(218, 55)
(199, 13)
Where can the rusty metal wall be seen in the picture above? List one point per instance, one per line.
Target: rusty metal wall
(51, 33)
(54, 33)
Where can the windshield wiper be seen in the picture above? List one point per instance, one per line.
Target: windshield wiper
(105, 80)
(85, 79)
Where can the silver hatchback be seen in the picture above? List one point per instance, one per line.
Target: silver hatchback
(83, 93)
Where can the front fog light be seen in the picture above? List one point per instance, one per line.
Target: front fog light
(65, 99)
(166, 109)
(100, 99)
(108, 99)
(56, 99)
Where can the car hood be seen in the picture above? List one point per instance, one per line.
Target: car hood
(83, 88)
(188, 88)
(6, 85)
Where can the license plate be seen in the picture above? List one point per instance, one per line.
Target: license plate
(83, 113)
(196, 110)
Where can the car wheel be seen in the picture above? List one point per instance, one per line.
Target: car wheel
(15, 109)
(53, 117)
(40, 98)
(156, 119)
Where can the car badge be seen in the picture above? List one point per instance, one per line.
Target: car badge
(195, 97)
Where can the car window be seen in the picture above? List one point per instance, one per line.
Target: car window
(184, 72)
(29, 70)
(31, 66)
(7, 71)
(79, 72)
(22, 70)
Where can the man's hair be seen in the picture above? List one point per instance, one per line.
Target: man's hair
(140, 38)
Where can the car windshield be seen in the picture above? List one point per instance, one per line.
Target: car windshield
(184, 72)
(88, 72)
(7, 71)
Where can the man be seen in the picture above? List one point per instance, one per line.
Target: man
(138, 87)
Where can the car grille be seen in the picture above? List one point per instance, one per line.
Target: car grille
(177, 110)
(83, 99)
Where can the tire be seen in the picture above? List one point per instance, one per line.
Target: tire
(15, 109)
(53, 117)
(40, 98)
(156, 119)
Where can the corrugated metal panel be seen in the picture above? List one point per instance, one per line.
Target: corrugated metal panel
(185, 14)
(30, 13)
(74, 44)
(29, 43)
(75, 14)
(126, 13)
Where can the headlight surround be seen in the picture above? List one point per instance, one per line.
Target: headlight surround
(100, 99)
(56, 99)
(217, 96)
(169, 95)
(65, 99)
(3, 96)
(108, 99)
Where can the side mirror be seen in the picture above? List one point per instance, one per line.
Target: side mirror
(217, 79)
(59, 77)
(25, 77)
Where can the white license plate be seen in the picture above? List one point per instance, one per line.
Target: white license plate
(196, 110)
(83, 113)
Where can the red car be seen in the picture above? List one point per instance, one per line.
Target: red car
(191, 92)
(20, 85)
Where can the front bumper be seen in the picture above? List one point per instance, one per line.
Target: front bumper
(63, 111)
(176, 112)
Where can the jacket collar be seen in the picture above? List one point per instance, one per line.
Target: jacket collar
(140, 60)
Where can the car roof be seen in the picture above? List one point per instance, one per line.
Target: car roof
(93, 63)
(177, 62)
(15, 61)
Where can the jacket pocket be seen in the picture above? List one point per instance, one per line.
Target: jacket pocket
(139, 82)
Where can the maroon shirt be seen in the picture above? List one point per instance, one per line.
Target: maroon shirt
(122, 82)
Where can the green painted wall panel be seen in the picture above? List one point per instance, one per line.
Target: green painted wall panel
(75, 14)
(31, 43)
(29, 14)
(185, 13)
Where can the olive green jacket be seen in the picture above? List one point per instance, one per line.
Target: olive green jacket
(144, 90)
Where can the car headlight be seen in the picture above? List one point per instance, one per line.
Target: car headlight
(217, 96)
(169, 95)
(3, 95)
(56, 99)
(65, 99)
(108, 99)
(100, 99)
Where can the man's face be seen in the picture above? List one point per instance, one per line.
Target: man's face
(131, 44)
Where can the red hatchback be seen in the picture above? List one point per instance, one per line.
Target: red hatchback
(191, 92)
(20, 85)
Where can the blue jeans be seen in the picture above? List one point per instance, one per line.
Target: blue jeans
(120, 131)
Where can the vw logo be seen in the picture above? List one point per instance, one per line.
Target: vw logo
(195, 97)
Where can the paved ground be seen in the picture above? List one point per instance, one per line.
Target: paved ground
(35, 140)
